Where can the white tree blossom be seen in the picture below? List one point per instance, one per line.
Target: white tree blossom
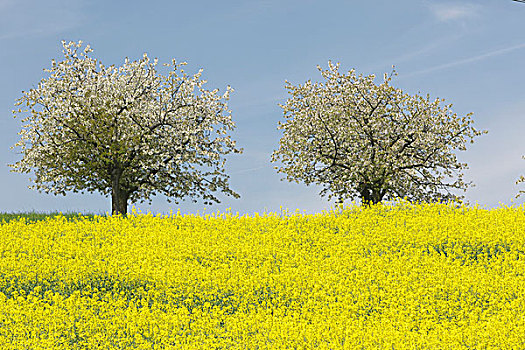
(127, 132)
(375, 142)
(520, 180)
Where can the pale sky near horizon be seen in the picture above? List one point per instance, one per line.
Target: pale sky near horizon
(471, 53)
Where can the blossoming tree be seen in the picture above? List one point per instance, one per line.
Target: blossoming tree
(520, 180)
(375, 142)
(127, 132)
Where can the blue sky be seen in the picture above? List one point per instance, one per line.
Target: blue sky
(472, 53)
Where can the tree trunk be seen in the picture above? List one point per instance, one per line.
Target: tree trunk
(371, 195)
(119, 202)
(119, 197)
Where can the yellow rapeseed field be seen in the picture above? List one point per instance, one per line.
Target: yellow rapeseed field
(431, 276)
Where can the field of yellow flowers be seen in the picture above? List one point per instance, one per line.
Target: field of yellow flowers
(431, 276)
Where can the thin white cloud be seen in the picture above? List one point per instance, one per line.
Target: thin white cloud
(426, 50)
(468, 60)
(453, 11)
(247, 170)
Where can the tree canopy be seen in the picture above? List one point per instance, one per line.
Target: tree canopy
(356, 138)
(128, 132)
(520, 180)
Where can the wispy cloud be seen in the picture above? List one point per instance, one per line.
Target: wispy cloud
(453, 11)
(468, 60)
(429, 48)
(248, 170)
